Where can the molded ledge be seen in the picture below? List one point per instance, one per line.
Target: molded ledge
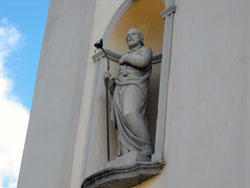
(123, 177)
(115, 56)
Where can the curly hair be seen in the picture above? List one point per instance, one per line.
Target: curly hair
(140, 35)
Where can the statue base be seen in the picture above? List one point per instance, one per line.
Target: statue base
(126, 176)
(128, 159)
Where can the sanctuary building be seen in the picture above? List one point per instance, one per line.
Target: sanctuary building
(196, 54)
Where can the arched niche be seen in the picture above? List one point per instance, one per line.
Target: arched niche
(144, 15)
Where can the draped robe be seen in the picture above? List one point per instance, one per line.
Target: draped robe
(129, 102)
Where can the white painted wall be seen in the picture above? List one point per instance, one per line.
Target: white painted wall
(209, 96)
(209, 137)
(54, 120)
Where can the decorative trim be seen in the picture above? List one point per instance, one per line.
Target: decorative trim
(98, 55)
(162, 127)
(115, 56)
(124, 176)
(168, 11)
(156, 59)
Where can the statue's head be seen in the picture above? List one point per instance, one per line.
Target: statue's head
(134, 36)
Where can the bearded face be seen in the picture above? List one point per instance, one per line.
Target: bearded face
(133, 38)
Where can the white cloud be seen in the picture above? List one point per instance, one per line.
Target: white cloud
(13, 115)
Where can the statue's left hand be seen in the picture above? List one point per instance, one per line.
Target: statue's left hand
(106, 75)
(123, 59)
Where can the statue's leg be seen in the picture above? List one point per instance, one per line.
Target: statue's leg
(134, 104)
(119, 120)
(123, 149)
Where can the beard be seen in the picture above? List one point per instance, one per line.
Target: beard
(133, 43)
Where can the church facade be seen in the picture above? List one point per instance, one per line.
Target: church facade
(198, 107)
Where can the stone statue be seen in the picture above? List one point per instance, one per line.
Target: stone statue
(129, 98)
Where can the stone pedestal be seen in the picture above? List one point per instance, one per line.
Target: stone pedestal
(123, 176)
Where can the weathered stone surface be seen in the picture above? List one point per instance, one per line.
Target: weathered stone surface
(123, 177)
(130, 95)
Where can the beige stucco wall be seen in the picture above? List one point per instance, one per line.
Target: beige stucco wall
(208, 135)
(208, 97)
(210, 76)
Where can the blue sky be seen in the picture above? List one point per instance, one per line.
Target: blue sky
(22, 24)
(29, 18)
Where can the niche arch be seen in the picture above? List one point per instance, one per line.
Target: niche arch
(96, 124)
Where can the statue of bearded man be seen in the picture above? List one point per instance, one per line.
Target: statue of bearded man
(129, 97)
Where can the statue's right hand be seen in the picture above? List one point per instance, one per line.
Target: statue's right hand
(123, 59)
(106, 74)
